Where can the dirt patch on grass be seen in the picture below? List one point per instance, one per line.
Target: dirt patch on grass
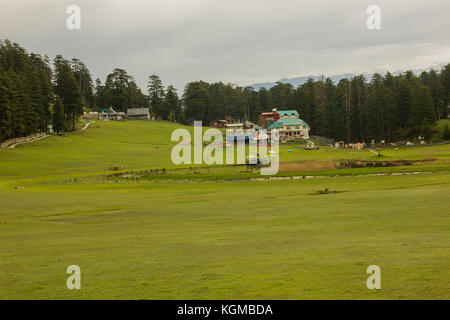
(429, 157)
(326, 191)
(307, 166)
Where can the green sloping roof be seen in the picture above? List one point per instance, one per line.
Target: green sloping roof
(288, 113)
(293, 122)
(275, 125)
(288, 122)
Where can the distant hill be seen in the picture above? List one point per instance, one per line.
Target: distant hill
(297, 81)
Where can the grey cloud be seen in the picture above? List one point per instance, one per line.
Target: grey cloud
(233, 41)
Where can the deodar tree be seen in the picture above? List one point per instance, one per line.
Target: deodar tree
(68, 90)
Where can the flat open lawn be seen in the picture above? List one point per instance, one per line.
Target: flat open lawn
(171, 239)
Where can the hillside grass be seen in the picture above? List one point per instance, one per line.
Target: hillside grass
(188, 237)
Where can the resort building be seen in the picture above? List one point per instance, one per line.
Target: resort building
(290, 126)
(111, 114)
(138, 114)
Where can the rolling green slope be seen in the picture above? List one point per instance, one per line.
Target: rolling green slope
(133, 144)
(144, 145)
(178, 239)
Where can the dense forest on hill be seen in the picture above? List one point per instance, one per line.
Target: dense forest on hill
(35, 92)
(386, 108)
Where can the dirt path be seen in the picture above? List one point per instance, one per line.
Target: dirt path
(86, 126)
(16, 144)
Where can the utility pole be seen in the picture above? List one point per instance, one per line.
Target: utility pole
(358, 91)
(246, 108)
(226, 104)
(347, 109)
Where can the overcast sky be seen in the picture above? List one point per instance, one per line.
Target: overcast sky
(237, 41)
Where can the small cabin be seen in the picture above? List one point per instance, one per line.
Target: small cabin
(218, 124)
(138, 114)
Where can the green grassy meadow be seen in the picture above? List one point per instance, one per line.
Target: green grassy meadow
(190, 236)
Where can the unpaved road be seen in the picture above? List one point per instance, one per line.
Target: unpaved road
(16, 144)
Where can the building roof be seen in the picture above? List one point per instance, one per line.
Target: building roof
(232, 125)
(275, 125)
(109, 110)
(293, 122)
(288, 122)
(251, 124)
(138, 111)
(288, 113)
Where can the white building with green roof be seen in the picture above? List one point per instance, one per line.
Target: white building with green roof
(290, 126)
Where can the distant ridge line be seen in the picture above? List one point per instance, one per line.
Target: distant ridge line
(297, 81)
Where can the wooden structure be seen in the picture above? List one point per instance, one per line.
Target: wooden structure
(111, 114)
(138, 114)
(218, 124)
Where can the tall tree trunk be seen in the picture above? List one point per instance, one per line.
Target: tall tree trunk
(347, 111)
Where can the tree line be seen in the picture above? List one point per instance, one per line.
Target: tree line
(385, 108)
(35, 92)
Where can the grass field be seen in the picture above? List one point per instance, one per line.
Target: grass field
(188, 237)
